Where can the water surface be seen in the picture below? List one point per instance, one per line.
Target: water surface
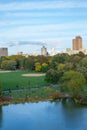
(43, 116)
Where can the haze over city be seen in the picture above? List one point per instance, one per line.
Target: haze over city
(27, 25)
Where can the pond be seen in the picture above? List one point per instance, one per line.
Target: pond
(43, 116)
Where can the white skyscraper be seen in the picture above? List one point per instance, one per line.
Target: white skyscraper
(44, 51)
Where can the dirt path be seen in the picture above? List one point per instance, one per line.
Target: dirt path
(28, 89)
(33, 75)
(7, 71)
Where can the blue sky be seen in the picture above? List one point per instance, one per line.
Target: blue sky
(27, 25)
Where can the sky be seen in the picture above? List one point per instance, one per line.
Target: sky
(27, 25)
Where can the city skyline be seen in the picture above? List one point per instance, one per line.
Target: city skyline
(77, 46)
(30, 24)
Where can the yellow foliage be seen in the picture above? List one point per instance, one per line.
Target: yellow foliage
(61, 66)
(37, 67)
(44, 64)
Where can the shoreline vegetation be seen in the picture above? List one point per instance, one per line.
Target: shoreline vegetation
(9, 100)
(29, 95)
(40, 94)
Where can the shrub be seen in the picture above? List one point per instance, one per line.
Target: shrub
(56, 95)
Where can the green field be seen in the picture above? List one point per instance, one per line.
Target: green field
(42, 93)
(15, 80)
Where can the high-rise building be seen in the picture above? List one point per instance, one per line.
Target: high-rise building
(44, 51)
(3, 52)
(77, 43)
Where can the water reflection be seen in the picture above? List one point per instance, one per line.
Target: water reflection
(0, 116)
(73, 115)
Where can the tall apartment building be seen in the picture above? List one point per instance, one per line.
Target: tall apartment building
(77, 43)
(44, 51)
(3, 52)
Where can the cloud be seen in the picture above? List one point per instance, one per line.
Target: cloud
(21, 43)
(42, 5)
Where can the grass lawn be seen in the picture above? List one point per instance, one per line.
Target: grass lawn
(42, 93)
(15, 80)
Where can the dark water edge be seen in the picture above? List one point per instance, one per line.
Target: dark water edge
(43, 116)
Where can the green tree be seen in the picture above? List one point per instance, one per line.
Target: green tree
(4, 64)
(75, 59)
(68, 66)
(81, 54)
(42, 59)
(29, 63)
(8, 65)
(17, 59)
(2, 58)
(73, 82)
(11, 65)
(52, 76)
(22, 63)
(83, 62)
(82, 67)
(57, 59)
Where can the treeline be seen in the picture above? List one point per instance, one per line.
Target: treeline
(62, 63)
(68, 70)
(58, 63)
(19, 62)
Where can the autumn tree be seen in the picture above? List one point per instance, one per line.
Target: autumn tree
(44, 67)
(37, 67)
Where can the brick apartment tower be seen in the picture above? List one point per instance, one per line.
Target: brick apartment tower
(77, 43)
(3, 52)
